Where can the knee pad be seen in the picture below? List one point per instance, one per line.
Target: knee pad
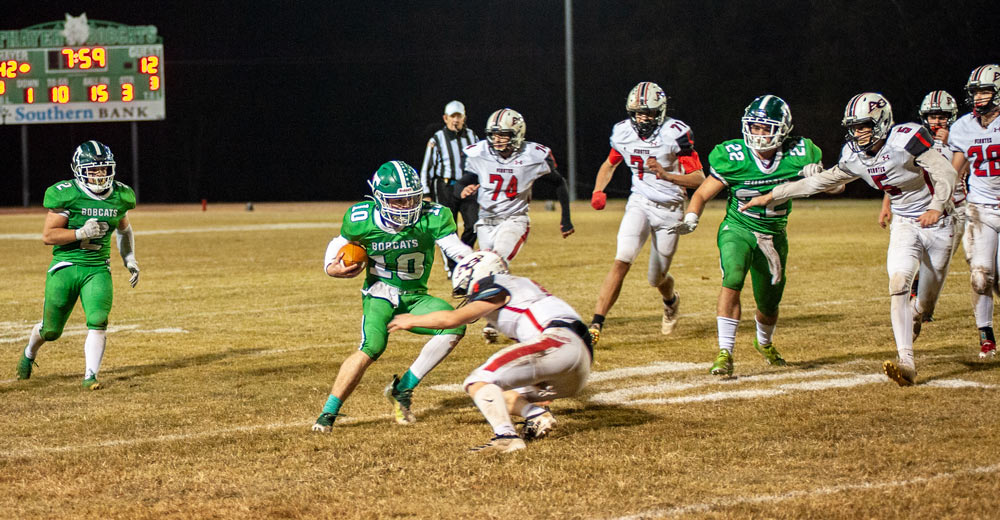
(97, 320)
(50, 335)
(899, 283)
(982, 280)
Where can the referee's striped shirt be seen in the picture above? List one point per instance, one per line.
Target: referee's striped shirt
(444, 158)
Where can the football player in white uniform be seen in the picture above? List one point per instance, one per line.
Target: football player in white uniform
(975, 139)
(502, 168)
(659, 151)
(938, 112)
(551, 360)
(897, 160)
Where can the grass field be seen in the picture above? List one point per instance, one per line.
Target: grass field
(220, 360)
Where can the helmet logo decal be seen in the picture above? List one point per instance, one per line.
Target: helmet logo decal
(872, 105)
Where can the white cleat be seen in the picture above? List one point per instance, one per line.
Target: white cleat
(539, 426)
(500, 444)
(490, 334)
(903, 375)
(670, 315)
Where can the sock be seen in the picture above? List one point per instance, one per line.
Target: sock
(727, 332)
(598, 320)
(35, 342)
(983, 309)
(901, 314)
(93, 350)
(332, 405)
(489, 400)
(532, 410)
(764, 333)
(986, 333)
(435, 350)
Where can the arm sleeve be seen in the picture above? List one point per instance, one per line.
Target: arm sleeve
(556, 180)
(126, 244)
(332, 249)
(467, 179)
(943, 177)
(426, 166)
(822, 181)
(691, 163)
(614, 157)
(921, 141)
(453, 247)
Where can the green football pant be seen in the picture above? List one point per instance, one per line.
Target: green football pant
(379, 312)
(92, 285)
(739, 253)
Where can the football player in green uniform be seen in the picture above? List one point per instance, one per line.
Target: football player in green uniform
(752, 240)
(399, 233)
(82, 215)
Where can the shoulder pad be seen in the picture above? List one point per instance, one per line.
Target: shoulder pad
(487, 288)
(913, 138)
(477, 149)
(535, 152)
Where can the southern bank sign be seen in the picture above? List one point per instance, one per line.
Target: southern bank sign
(81, 113)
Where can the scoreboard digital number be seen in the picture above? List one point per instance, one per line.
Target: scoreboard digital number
(90, 82)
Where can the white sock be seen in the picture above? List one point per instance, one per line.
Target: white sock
(727, 332)
(764, 333)
(490, 401)
(532, 410)
(35, 342)
(93, 350)
(434, 351)
(983, 309)
(901, 313)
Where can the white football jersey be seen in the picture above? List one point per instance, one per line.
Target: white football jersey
(505, 184)
(981, 147)
(672, 140)
(530, 309)
(894, 170)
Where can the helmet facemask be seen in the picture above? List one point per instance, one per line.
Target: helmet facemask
(646, 122)
(938, 103)
(983, 107)
(398, 193)
(770, 111)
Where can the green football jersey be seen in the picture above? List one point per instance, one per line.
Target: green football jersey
(737, 167)
(403, 259)
(69, 199)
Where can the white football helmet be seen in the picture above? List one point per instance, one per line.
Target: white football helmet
(987, 76)
(648, 98)
(506, 122)
(473, 268)
(868, 107)
(938, 102)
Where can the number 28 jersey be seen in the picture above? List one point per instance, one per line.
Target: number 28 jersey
(981, 147)
(505, 184)
(673, 140)
(79, 205)
(402, 259)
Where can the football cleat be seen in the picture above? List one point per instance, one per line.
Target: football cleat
(538, 426)
(324, 423)
(24, 367)
(500, 444)
(490, 334)
(902, 374)
(595, 333)
(987, 349)
(401, 400)
(723, 365)
(770, 354)
(670, 315)
(91, 383)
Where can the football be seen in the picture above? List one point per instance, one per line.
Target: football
(353, 253)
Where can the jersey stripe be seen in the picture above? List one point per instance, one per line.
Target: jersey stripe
(526, 350)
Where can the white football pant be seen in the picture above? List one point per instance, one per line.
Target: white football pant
(504, 236)
(643, 216)
(982, 230)
(928, 302)
(555, 364)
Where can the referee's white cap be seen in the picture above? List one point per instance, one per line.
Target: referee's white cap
(455, 107)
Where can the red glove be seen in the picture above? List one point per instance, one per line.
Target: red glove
(598, 199)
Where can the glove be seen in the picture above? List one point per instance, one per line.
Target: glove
(92, 229)
(133, 269)
(598, 200)
(687, 225)
(811, 169)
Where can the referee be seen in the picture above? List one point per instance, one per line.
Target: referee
(444, 163)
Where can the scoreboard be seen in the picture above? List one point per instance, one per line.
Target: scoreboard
(113, 73)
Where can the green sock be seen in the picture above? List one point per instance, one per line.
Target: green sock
(408, 381)
(332, 405)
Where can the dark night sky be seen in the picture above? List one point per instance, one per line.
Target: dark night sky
(303, 100)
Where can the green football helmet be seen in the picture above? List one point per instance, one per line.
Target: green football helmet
(93, 166)
(397, 192)
(771, 111)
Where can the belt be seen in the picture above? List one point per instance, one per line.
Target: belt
(578, 328)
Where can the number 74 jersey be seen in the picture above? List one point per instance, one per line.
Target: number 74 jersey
(505, 184)
(981, 147)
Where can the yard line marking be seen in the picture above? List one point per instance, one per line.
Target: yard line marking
(80, 331)
(213, 229)
(728, 502)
